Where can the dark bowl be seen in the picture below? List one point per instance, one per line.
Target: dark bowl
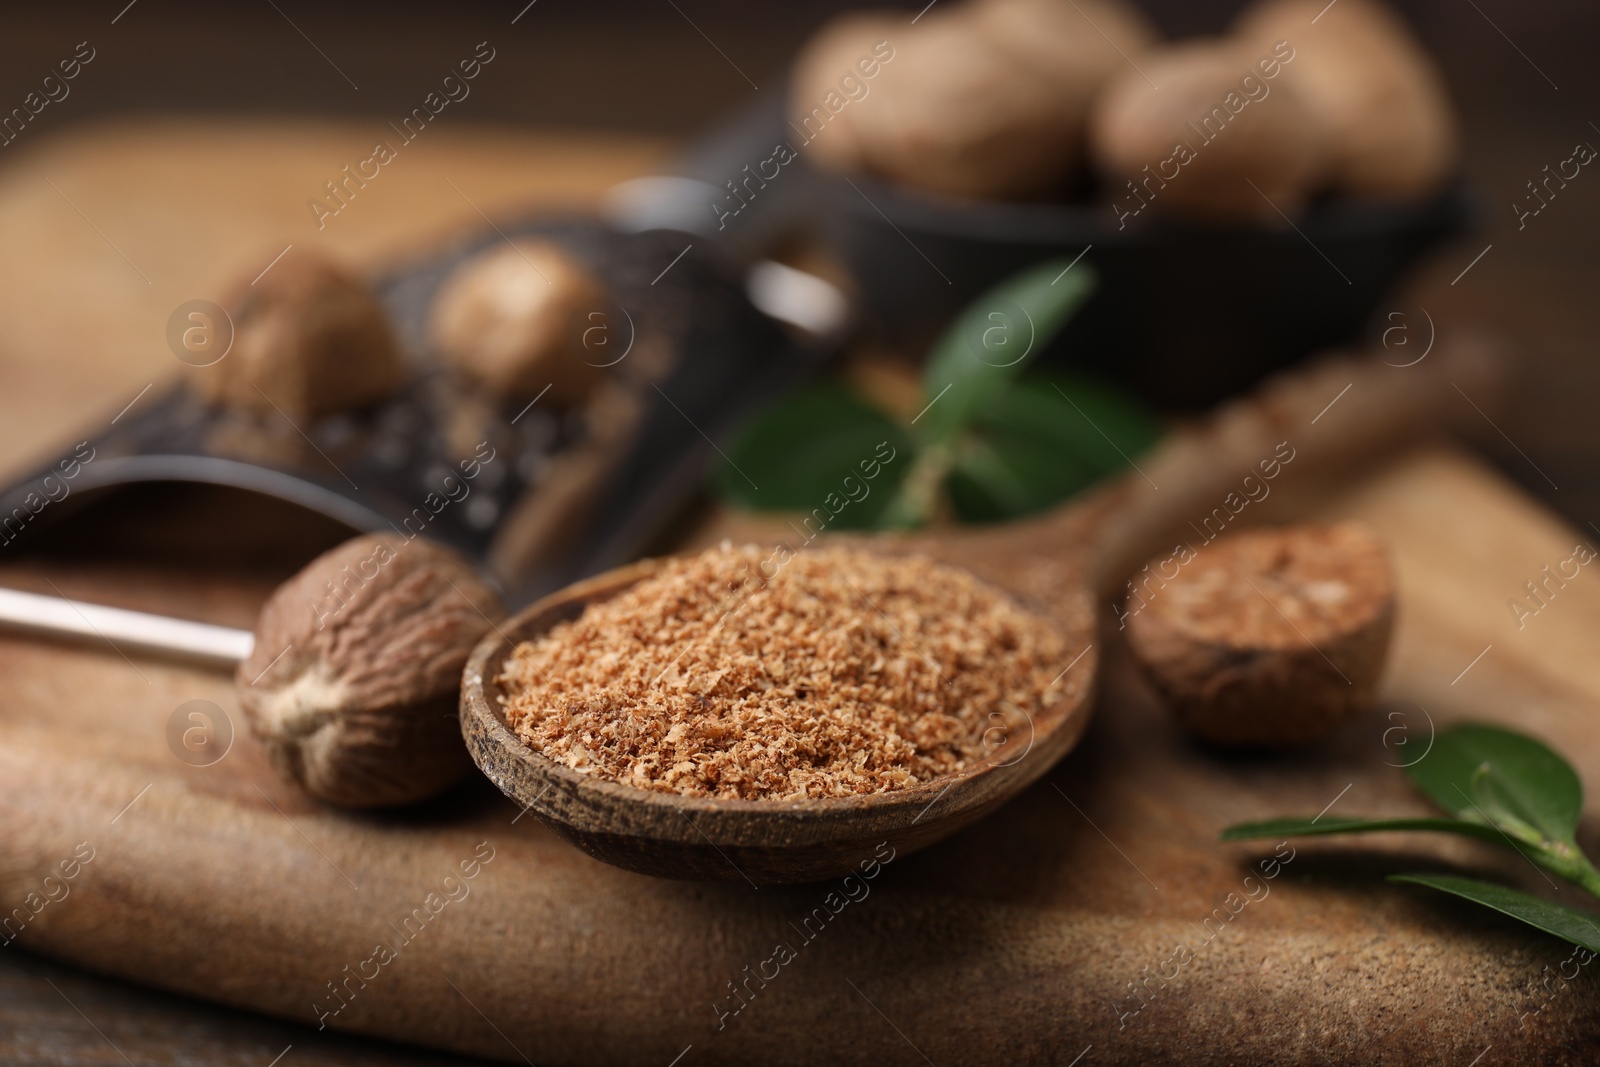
(1184, 314)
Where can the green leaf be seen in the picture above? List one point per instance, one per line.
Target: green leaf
(1107, 426)
(993, 339)
(1010, 475)
(1042, 440)
(1488, 774)
(1569, 924)
(1002, 475)
(1281, 828)
(796, 456)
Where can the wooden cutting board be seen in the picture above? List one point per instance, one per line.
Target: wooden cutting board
(1017, 939)
(1044, 934)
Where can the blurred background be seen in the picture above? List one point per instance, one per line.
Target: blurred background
(1519, 75)
(639, 78)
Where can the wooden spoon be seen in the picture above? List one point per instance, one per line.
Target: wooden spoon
(1065, 564)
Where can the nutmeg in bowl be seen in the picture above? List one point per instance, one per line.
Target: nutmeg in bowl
(1255, 209)
(1196, 132)
(984, 100)
(1373, 94)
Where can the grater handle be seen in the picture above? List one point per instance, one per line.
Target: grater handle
(75, 620)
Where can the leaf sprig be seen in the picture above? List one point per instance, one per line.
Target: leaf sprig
(1498, 786)
(993, 439)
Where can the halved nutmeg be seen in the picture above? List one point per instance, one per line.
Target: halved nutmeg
(1269, 637)
(354, 681)
(514, 317)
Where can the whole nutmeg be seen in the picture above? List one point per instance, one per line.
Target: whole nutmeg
(1072, 45)
(1211, 139)
(513, 319)
(1271, 637)
(355, 677)
(951, 112)
(309, 338)
(1381, 101)
(837, 70)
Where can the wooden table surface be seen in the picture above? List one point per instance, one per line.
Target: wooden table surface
(113, 228)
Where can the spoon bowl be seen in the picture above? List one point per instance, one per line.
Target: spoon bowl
(763, 842)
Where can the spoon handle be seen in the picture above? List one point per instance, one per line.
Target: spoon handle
(1335, 417)
(1320, 422)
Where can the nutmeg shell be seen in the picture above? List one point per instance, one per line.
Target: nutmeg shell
(354, 681)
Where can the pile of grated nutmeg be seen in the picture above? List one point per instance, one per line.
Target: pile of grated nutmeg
(770, 675)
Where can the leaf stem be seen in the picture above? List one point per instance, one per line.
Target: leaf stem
(917, 500)
(1584, 874)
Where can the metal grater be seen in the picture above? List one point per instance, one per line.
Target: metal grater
(699, 355)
